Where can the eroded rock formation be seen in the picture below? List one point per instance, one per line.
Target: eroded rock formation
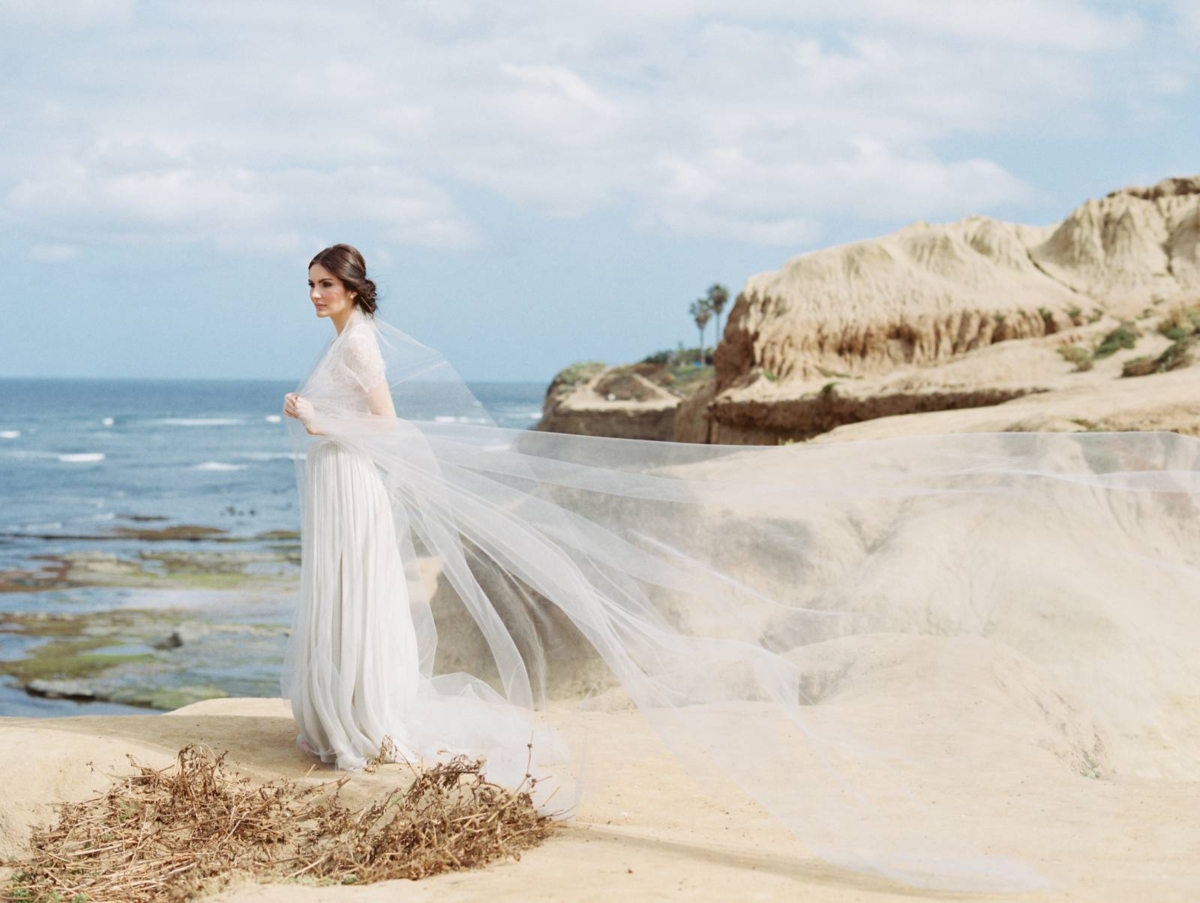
(929, 318)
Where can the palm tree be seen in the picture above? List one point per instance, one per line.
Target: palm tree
(701, 311)
(718, 297)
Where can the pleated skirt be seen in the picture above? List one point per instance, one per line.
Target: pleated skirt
(353, 649)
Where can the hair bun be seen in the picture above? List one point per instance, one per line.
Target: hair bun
(345, 262)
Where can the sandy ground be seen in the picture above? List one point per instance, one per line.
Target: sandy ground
(652, 833)
(1166, 401)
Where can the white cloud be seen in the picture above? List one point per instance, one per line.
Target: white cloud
(137, 197)
(1066, 24)
(51, 253)
(555, 91)
(261, 125)
(1187, 13)
(65, 13)
(1169, 83)
(782, 200)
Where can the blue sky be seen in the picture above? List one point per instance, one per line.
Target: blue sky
(532, 183)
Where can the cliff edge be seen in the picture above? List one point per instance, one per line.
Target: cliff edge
(936, 317)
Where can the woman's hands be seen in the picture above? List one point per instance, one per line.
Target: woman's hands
(383, 412)
(301, 409)
(295, 406)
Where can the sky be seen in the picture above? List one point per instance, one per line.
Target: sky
(531, 183)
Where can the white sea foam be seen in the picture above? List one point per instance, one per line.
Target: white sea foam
(51, 525)
(107, 421)
(219, 466)
(272, 456)
(10, 434)
(96, 501)
(273, 418)
(82, 457)
(201, 421)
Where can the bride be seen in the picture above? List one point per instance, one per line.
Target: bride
(358, 673)
(821, 624)
(352, 668)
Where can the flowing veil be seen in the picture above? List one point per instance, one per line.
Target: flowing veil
(831, 627)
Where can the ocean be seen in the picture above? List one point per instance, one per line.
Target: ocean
(84, 464)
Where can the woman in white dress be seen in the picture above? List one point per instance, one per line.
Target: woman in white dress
(803, 618)
(357, 669)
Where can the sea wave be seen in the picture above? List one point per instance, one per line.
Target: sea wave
(201, 421)
(26, 454)
(218, 466)
(107, 421)
(10, 434)
(97, 501)
(273, 418)
(272, 456)
(29, 454)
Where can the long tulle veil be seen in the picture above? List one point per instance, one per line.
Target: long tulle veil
(762, 605)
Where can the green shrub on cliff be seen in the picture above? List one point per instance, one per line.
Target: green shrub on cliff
(1180, 321)
(579, 372)
(1124, 336)
(678, 357)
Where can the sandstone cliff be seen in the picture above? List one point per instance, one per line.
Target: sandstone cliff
(970, 314)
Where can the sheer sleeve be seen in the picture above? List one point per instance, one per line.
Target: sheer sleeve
(363, 359)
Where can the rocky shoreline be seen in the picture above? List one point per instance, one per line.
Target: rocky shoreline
(153, 628)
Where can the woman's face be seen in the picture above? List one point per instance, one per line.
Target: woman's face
(327, 293)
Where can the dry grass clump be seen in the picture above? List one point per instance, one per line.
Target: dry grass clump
(1078, 355)
(1179, 354)
(158, 836)
(1180, 321)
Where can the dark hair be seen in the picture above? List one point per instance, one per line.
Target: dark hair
(348, 265)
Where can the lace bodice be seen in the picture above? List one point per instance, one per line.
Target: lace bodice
(359, 363)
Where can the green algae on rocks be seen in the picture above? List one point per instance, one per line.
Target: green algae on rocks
(154, 658)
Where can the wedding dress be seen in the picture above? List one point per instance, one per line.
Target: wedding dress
(352, 665)
(353, 615)
(817, 624)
